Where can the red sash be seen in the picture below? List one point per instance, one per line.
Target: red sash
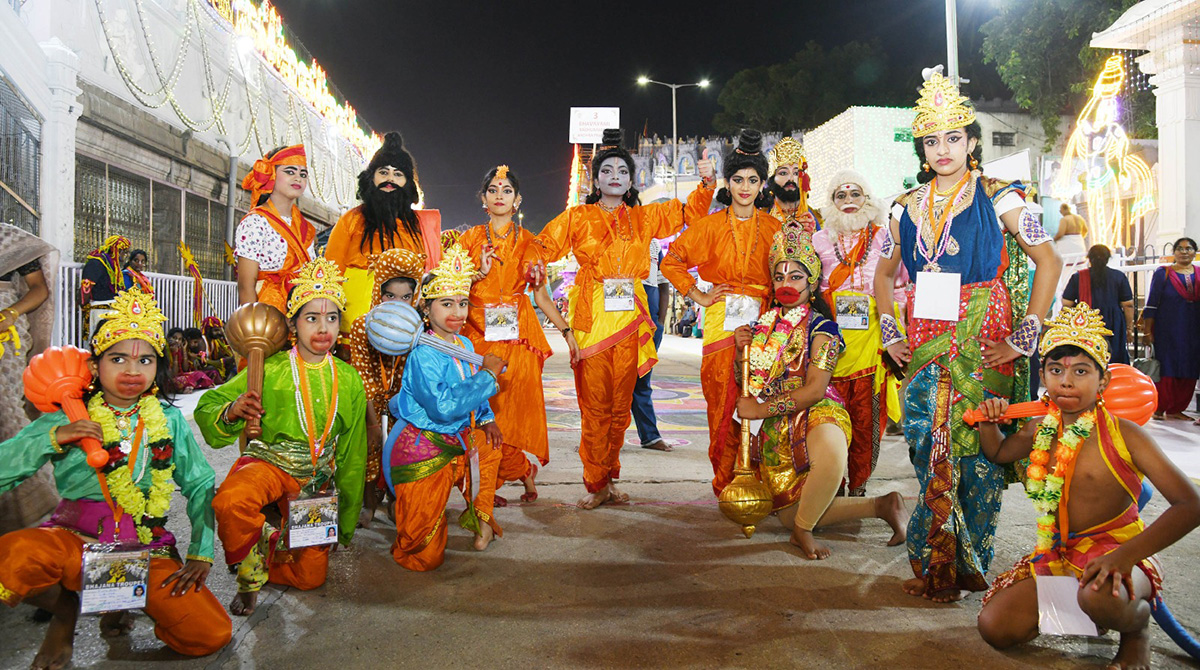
(1085, 286)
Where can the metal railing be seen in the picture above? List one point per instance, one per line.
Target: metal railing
(173, 293)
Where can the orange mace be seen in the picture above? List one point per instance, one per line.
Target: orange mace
(57, 378)
(1130, 395)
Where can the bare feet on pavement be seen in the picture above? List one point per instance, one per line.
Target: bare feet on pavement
(809, 546)
(658, 445)
(891, 509)
(609, 494)
(484, 538)
(914, 586)
(530, 482)
(1134, 652)
(116, 624)
(243, 604)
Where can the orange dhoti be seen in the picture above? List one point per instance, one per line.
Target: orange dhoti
(604, 386)
(35, 559)
(251, 486)
(716, 368)
(512, 466)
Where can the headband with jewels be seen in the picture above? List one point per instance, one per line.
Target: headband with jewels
(941, 107)
(793, 243)
(132, 315)
(318, 278)
(1080, 326)
(452, 276)
(786, 151)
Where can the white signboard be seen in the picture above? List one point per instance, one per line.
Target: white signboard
(589, 123)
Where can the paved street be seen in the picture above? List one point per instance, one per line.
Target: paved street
(665, 581)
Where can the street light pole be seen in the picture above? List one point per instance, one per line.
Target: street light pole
(952, 41)
(703, 83)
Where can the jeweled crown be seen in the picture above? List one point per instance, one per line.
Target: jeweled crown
(785, 152)
(793, 243)
(452, 276)
(941, 107)
(318, 278)
(132, 315)
(1081, 326)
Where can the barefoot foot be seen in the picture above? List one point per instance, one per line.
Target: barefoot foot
(243, 604)
(594, 500)
(946, 596)
(914, 586)
(616, 497)
(499, 501)
(812, 550)
(891, 509)
(116, 624)
(658, 445)
(57, 646)
(530, 482)
(1134, 652)
(484, 538)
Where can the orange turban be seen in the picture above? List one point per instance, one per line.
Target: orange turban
(261, 178)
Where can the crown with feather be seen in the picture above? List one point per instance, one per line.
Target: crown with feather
(1080, 326)
(941, 107)
(318, 278)
(131, 315)
(452, 276)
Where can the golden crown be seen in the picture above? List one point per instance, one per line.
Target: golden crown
(452, 276)
(131, 315)
(941, 107)
(318, 278)
(1081, 326)
(785, 152)
(793, 243)
(1111, 78)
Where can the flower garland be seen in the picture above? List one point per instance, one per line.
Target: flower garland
(771, 333)
(1043, 487)
(149, 512)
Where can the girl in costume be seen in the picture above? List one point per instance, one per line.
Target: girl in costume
(498, 299)
(396, 273)
(610, 238)
(803, 444)
(150, 450)
(729, 248)
(274, 239)
(386, 219)
(965, 240)
(313, 443)
(1097, 536)
(185, 376)
(446, 428)
(134, 272)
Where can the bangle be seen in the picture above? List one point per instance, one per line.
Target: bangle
(54, 440)
(224, 416)
(1024, 338)
(781, 405)
(826, 356)
(565, 331)
(889, 330)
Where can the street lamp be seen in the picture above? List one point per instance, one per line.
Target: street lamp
(703, 83)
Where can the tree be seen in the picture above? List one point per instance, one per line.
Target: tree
(1040, 48)
(810, 88)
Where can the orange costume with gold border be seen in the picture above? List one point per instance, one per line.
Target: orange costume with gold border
(725, 250)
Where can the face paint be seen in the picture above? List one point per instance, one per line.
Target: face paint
(613, 178)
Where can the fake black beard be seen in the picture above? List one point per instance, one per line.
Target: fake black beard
(782, 194)
(380, 211)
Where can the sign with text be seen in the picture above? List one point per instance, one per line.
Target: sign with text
(589, 123)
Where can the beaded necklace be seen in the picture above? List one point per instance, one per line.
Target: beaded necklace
(751, 247)
(304, 405)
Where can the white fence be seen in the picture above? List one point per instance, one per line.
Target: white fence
(173, 293)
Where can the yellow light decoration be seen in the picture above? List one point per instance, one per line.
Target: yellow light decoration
(1111, 173)
(263, 25)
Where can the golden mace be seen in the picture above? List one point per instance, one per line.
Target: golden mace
(255, 331)
(745, 500)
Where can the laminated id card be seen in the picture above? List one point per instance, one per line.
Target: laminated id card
(618, 295)
(115, 577)
(500, 323)
(937, 296)
(740, 310)
(853, 312)
(312, 521)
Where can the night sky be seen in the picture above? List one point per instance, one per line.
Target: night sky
(474, 84)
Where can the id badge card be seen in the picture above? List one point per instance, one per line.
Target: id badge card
(853, 312)
(618, 295)
(937, 296)
(1059, 612)
(312, 521)
(115, 577)
(500, 323)
(740, 310)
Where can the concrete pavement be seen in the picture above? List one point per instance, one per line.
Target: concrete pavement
(663, 582)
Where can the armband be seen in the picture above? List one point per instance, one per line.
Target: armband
(54, 440)
(1031, 229)
(890, 330)
(887, 245)
(781, 405)
(1025, 338)
(826, 355)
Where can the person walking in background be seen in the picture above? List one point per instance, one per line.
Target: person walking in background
(1070, 237)
(643, 404)
(1106, 290)
(1171, 318)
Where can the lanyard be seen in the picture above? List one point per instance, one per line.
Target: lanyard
(315, 448)
(117, 511)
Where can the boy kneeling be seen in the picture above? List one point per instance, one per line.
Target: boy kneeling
(1112, 553)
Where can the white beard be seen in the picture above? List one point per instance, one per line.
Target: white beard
(842, 223)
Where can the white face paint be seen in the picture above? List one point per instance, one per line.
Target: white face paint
(613, 178)
(849, 198)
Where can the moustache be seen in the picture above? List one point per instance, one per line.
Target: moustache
(787, 294)
(791, 185)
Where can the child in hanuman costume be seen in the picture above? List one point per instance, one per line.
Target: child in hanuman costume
(444, 428)
(150, 450)
(313, 440)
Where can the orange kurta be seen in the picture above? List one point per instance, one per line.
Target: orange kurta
(607, 245)
(193, 624)
(299, 235)
(735, 253)
(347, 249)
(520, 405)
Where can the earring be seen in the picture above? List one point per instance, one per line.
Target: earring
(924, 167)
(974, 163)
